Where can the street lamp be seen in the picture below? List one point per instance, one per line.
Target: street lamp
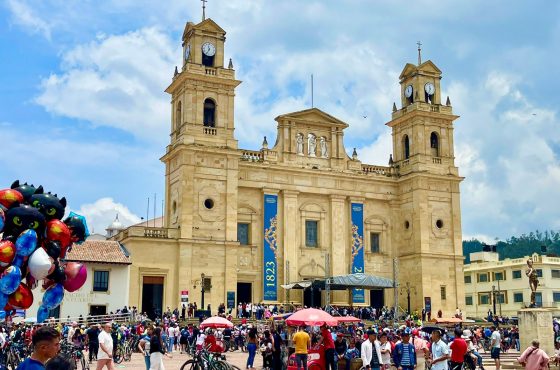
(494, 299)
(408, 289)
(202, 290)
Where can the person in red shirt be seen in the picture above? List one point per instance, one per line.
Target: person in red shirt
(458, 350)
(328, 342)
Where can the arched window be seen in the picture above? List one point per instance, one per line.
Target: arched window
(434, 144)
(178, 118)
(209, 113)
(406, 147)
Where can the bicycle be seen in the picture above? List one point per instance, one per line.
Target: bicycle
(75, 354)
(205, 360)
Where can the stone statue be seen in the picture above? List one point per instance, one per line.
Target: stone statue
(533, 280)
(311, 145)
(324, 151)
(299, 144)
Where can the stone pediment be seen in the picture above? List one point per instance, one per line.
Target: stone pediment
(211, 26)
(428, 67)
(207, 25)
(313, 116)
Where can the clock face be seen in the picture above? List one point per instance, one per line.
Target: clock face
(208, 49)
(429, 88)
(408, 91)
(187, 52)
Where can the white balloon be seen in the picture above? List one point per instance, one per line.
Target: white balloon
(39, 264)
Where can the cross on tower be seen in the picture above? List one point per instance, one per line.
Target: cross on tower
(204, 9)
(419, 52)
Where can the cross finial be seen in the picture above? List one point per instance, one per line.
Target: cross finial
(204, 9)
(419, 52)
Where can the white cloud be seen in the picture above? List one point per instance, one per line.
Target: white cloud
(505, 148)
(116, 81)
(506, 144)
(25, 16)
(100, 214)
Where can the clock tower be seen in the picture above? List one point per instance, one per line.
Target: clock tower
(429, 218)
(202, 157)
(202, 93)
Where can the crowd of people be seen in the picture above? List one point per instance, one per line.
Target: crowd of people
(378, 347)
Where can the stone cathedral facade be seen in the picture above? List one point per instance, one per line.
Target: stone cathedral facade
(240, 223)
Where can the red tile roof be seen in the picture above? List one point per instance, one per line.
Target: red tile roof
(100, 251)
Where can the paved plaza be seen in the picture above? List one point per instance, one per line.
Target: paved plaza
(239, 359)
(236, 358)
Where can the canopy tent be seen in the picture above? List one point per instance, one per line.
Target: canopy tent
(344, 282)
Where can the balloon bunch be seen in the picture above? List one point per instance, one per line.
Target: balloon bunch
(33, 245)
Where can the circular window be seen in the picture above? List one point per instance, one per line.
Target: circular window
(439, 224)
(406, 224)
(174, 207)
(209, 203)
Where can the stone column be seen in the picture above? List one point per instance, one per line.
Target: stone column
(536, 323)
(289, 239)
(339, 244)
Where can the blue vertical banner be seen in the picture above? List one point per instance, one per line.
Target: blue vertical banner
(357, 260)
(270, 265)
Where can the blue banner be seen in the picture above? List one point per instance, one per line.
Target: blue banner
(270, 270)
(357, 260)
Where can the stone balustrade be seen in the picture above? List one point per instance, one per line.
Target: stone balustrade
(422, 106)
(436, 160)
(378, 170)
(251, 156)
(210, 131)
(150, 232)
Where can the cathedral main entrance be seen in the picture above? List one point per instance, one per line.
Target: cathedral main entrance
(376, 298)
(244, 292)
(152, 296)
(312, 297)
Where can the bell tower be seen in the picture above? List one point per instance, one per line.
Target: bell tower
(429, 219)
(423, 127)
(202, 93)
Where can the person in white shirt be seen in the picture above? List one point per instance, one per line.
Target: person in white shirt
(385, 349)
(371, 351)
(440, 352)
(105, 352)
(496, 343)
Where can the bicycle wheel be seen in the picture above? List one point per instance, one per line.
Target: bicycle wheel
(220, 365)
(127, 353)
(83, 363)
(118, 357)
(191, 365)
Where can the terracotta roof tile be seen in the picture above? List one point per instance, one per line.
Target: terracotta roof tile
(101, 251)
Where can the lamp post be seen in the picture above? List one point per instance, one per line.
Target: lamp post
(408, 289)
(494, 299)
(202, 291)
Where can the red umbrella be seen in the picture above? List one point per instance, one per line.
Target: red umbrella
(347, 319)
(311, 316)
(216, 322)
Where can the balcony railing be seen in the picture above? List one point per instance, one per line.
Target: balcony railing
(436, 160)
(210, 131)
(379, 170)
(251, 156)
(149, 232)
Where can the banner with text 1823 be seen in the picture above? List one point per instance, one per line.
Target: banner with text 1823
(270, 247)
(357, 247)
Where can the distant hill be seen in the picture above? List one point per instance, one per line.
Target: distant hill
(547, 242)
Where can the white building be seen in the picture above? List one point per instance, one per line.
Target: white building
(503, 284)
(107, 285)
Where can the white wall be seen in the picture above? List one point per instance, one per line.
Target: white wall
(78, 303)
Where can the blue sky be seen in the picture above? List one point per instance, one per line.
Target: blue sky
(82, 107)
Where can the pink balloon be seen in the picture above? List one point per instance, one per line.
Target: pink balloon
(76, 275)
